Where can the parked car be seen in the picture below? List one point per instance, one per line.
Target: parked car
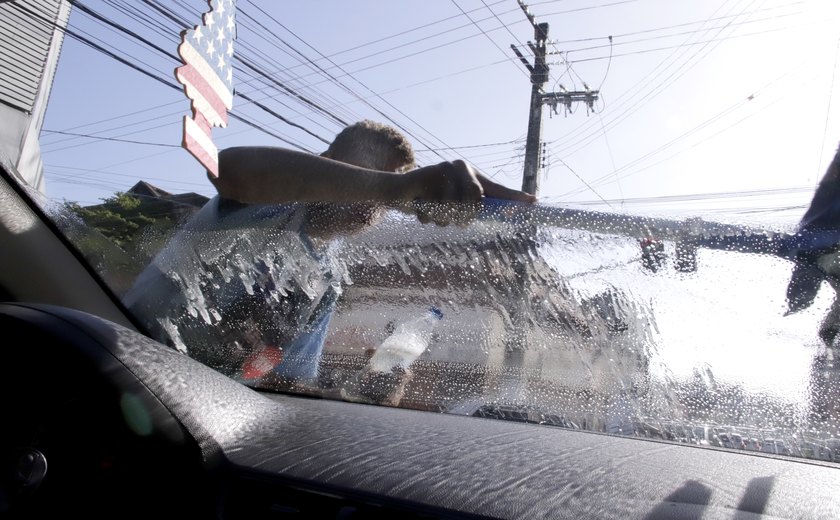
(737, 441)
(832, 446)
(704, 435)
(775, 446)
(752, 444)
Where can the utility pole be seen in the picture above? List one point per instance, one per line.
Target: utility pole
(539, 76)
(510, 385)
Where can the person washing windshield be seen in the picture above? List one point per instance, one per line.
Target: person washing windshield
(818, 262)
(249, 283)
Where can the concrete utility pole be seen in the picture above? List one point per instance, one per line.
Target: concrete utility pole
(539, 76)
(510, 385)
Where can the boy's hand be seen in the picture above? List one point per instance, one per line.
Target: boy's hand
(497, 191)
(451, 192)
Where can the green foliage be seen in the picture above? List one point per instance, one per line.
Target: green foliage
(120, 236)
(119, 217)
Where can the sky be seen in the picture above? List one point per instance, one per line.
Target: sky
(706, 107)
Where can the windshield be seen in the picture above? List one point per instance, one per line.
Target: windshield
(313, 230)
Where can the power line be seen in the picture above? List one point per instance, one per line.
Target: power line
(830, 95)
(173, 17)
(703, 196)
(611, 39)
(703, 42)
(179, 22)
(584, 182)
(257, 70)
(702, 125)
(420, 27)
(412, 54)
(274, 68)
(660, 69)
(504, 52)
(474, 146)
(100, 18)
(728, 127)
(403, 33)
(364, 86)
(102, 138)
(248, 64)
(680, 70)
(587, 8)
(686, 24)
(110, 23)
(126, 62)
(128, 176)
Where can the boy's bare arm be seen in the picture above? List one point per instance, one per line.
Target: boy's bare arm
(268, 175)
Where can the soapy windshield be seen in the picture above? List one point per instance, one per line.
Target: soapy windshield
(673, 279)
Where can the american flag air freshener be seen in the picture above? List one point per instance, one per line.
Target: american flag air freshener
(207, 76)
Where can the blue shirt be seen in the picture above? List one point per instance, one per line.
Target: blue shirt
(236, 278)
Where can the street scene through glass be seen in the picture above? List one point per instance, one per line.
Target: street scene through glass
(612, 217)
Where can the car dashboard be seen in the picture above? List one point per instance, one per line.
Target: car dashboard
(130, 427)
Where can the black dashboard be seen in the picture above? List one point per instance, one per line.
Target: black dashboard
(127, 427)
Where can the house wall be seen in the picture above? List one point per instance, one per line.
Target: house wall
(31, 34)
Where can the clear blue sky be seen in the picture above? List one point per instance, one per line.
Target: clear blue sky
(698, 97)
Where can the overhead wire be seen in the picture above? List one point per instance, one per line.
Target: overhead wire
(483, 145)
(335, 79)
(686, 24)
(284, 51)
(301, 57)
(504, 52)
(265, 77)
(678, 70)
(270, 38)
(611, 43)
(128, 63)
(755, 95)
(176, 59)
(419, 52)
(170, 16)
(179, 23)
(623, 176)
(263, 107)
(581, 179)
(418, 40)
(104, 19)
(689, 197)
(129, 176)
(693, 44)
(590, 137)
(251, 66)
(130, 141)
(260, 74)
(671, 65)
(587, 8)
(828, 108)
(404, 32)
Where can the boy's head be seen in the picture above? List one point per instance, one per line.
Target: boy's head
(372, 145)
(366, 144)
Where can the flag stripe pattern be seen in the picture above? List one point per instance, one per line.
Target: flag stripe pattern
(207, 76)
(199, 141)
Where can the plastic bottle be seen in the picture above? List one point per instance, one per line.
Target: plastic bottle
(408, 341)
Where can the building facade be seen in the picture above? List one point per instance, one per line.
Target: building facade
(31, 35)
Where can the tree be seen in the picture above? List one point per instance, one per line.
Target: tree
(119, 217)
